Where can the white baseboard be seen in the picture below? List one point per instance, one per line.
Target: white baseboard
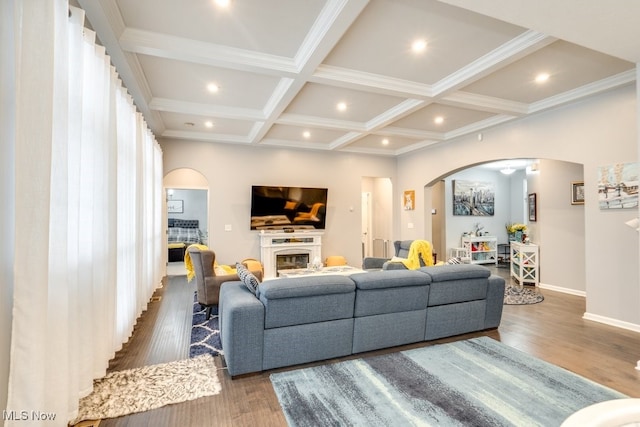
(563, 290)
(612, 322)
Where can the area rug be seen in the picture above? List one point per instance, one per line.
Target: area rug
(476, 382)
(150, 387)
(520, 295)
(205, 334)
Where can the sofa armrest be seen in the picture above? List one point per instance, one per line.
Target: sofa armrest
(241, 328)
(394, 265)
(495, 302)
(373, 263)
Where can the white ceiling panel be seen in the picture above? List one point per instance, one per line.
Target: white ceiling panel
(277, 27)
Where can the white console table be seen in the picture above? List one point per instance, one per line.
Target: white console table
(481, 249)
(525, 262)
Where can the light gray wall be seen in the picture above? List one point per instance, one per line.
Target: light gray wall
(230, 170)
(559, 225)
(595, 132)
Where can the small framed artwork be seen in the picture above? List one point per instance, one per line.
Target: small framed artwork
(175, 206)
(409, 200)
(533, 208)
(577, 193)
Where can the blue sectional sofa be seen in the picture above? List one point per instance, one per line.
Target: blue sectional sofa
(290, 321)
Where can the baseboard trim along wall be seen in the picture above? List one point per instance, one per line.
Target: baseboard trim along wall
(612, 322)
(563, 290)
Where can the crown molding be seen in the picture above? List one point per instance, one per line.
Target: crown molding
(478, 126)
(411, 133)
(175, 106)
(209, 137)
(346, 139)
(354, 79)
(505, 54)
(182, 49)
(621, 79)
(485, 103)
(320, 122)
(397, 112)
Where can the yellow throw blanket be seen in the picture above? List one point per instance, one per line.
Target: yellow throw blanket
(419, 248)
(188, 264)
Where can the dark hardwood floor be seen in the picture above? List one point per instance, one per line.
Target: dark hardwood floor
(552, 330)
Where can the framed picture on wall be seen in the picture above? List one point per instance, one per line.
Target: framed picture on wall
(473, 198)
(577, 193)
(533, 208)
(175, 206)
(409, 200)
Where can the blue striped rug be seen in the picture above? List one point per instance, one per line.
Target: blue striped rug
(476, 382)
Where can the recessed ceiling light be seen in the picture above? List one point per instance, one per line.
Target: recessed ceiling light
(306, 134)
(542, 77)
(385, 141)
(213, 88)
(208, 124)
(419, 45)
(438, 120)
(222, 3)
(342, 106)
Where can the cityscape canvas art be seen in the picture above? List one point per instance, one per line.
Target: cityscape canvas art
(473, 198)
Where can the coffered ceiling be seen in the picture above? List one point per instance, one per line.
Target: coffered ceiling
(282, 67)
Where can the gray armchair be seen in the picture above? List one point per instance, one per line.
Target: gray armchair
(207, 281)
(401, 251)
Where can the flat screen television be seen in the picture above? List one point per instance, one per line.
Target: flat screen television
(288, 208)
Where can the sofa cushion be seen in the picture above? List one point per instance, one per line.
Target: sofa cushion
(456, 283)
(390, 279)
(302, 300)
(390, 291)
(442, 273)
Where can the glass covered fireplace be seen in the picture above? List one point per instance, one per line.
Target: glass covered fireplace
(289, 261)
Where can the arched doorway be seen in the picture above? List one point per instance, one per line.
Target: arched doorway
(187, 206)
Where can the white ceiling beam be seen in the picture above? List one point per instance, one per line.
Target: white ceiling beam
(184, 107)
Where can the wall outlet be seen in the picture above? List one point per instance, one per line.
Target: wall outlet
(227, 227)
(410, 225)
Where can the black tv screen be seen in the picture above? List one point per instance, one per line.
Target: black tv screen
(288, 208)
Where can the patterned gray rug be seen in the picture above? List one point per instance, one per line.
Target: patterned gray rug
(150, 387)
(477, 382)
(520, 295)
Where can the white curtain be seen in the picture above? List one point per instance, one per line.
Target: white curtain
(87, 190)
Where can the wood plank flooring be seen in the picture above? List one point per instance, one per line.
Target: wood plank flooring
(552, 330)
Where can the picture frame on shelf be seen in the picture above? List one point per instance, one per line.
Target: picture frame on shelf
(533, 208)
(577, 193)
(175, 206)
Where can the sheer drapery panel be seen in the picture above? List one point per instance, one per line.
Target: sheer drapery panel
(87, 186)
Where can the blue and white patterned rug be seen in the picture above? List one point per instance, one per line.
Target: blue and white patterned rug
(476, 382)
(205, 334)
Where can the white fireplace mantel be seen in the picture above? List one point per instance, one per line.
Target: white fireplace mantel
(277, 243)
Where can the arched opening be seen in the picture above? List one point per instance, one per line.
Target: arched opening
(558, 226)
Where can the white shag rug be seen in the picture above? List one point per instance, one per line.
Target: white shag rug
(150, 387)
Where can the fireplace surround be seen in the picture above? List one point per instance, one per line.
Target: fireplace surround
(292, 248)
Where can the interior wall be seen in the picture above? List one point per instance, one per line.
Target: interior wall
(599, 131)
(231, 170)
(559, 224)
(439, 221)
(383, 212)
